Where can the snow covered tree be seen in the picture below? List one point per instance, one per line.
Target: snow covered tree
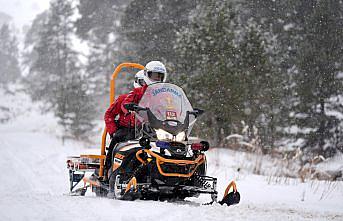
(54, 70)
(231, 69)
(318, 81)
(307, 31)
(281, 18)
(149, 28)
(114, 31)
(32, 37)
(9, 65)
(262, 82)
(99, 26)
(206, 65)
(77, 109)
(53, 61)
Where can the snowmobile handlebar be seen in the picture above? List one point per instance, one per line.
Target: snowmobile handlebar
(134, 107)
(197, 112)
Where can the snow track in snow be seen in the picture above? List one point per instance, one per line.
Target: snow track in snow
(34, 186)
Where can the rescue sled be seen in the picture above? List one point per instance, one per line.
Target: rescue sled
(161, 163)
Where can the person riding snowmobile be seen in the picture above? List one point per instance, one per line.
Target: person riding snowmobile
(120, 130)
(154, 72)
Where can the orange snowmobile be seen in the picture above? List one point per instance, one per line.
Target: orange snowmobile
(161, 162)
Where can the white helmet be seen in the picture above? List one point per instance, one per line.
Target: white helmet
(139, 79)
(155, 71)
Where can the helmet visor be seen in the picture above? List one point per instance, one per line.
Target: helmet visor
(156, 76)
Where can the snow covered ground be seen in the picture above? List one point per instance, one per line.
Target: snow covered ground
(34, 183)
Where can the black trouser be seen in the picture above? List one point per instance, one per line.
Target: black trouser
(121, 135)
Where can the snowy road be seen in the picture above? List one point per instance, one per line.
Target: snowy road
(34, 186)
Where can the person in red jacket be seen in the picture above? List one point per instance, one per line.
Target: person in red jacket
(154, 72)
(120, 130)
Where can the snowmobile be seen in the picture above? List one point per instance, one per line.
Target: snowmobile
(161, 163)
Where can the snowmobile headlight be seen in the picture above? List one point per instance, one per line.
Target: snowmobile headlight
(181, 136)
(164, 135)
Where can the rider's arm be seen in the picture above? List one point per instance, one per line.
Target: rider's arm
(133, 97)
(111, 114)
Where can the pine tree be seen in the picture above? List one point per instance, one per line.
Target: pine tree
(32, 37)
(77, 110)
(99, 25)
(9, 65)
(207, 56)
(262, 83)
(54, 60)
(54, 70)
(232, 69)
(149, 28)
(318, 85)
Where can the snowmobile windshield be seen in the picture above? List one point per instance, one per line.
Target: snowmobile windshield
(169, 105)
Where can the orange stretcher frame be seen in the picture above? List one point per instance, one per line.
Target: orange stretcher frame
(112, 96)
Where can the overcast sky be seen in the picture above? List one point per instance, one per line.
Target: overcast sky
(23, 11)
